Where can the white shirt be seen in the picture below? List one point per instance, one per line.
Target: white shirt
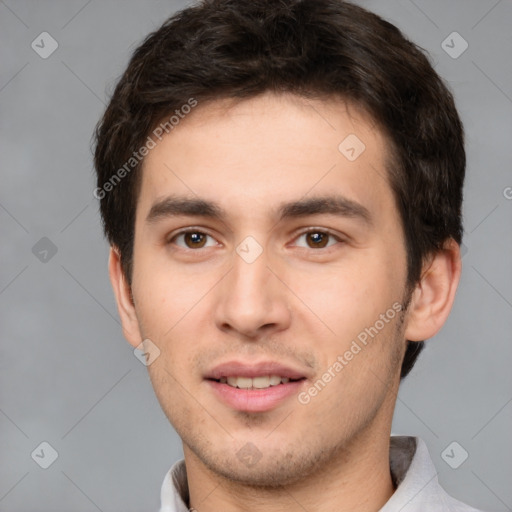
(411, 467)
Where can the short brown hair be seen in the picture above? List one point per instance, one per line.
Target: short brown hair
(312, 48)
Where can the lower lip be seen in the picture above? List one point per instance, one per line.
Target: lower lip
(255, 400)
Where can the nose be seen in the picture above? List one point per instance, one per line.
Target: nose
(251, 299)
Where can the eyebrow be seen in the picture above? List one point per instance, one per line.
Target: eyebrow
(173, 206)
(333, 205)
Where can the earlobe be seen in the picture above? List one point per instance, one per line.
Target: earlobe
(123, 297)
(434, 294)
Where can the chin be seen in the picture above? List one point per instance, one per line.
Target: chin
(250, 467)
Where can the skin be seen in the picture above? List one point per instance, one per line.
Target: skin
(297, 303)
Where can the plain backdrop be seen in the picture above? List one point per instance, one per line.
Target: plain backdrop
(68, 378)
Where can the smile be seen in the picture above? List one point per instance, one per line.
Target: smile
(262, 382)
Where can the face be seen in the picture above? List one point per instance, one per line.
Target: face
(269, 269)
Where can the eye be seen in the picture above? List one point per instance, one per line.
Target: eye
(192, 239)
(318, 239)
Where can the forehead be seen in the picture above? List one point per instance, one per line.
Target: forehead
(252, 155)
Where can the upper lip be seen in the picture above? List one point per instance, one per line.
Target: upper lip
(263, 368)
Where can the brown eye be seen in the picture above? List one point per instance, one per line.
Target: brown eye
(192, 240)
(317, 239)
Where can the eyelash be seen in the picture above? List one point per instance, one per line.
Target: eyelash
(304, 232)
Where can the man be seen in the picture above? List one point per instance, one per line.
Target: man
(281, 186)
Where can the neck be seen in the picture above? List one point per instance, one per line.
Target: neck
(357, 477)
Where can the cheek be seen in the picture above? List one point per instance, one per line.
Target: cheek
(165, 295)
(170, 389)
(346, 294)
(345, 306)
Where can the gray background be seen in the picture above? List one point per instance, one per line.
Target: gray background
(67, 376)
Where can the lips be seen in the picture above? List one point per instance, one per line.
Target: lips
(253, 387)
(262, 369)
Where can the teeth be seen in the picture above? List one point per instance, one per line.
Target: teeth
(261, 382)
(242, 382)
(256, 383)
(275, 380)
(232, 381)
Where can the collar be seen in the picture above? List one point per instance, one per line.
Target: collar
(412, 471)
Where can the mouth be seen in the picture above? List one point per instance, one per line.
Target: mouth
(261, 382)
(254, 387)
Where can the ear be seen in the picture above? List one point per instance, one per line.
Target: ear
(434, 294)
(123, 296)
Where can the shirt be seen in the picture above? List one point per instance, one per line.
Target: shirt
(416, 485)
